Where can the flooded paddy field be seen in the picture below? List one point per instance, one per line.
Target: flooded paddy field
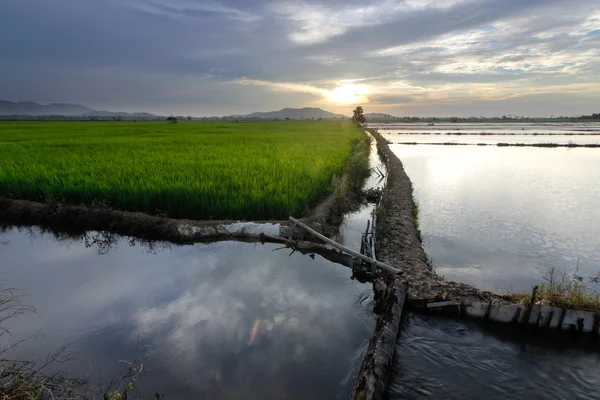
(492, 134)
(509, 128)
(498, 218)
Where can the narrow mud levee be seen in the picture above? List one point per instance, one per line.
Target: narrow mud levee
(398, 241)
(79, 219)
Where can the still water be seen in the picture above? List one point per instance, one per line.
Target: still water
(567, 128)
(491, 139)
(497, 218)
(225, 320)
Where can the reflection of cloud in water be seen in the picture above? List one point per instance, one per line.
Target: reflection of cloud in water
(195, 309)
(254, 329)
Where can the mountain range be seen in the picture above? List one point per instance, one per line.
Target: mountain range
(68, 110)
(32, 109)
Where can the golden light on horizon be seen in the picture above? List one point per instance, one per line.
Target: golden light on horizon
(348, 94)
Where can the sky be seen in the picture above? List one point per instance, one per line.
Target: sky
(223, 57)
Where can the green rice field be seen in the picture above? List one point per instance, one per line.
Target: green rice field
(201, 170)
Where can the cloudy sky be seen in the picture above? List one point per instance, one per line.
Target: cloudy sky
(220, 57)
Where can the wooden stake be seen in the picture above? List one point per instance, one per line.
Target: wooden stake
(346, 249)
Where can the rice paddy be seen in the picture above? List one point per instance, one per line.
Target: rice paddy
(201, 170)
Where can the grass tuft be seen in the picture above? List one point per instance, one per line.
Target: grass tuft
(565, 290)
(415, 213)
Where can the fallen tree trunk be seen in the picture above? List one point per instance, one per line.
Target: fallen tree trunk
(377, 364)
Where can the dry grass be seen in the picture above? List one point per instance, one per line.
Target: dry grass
(27, 380)
(564, 289)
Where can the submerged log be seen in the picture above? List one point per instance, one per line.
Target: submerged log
(377, 364)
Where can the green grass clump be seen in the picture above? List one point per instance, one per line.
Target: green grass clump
(202, 170)
(415, 212)
(564, 289)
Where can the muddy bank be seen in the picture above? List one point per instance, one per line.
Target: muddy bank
(79, 219)
(399, 244)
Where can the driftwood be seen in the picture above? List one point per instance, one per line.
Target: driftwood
(345, 249)
(377, 364)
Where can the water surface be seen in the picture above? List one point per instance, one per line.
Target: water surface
(509, 128)
(497, 218)
(440, 358)
(492, 139)
(224, 320)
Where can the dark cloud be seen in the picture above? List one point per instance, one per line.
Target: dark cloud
(182, 54)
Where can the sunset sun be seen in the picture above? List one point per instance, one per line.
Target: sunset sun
(348, 94)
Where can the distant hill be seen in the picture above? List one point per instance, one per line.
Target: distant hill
(68, 110)
(293, 113)
(379, 117)
(31, 108)
(106, 114)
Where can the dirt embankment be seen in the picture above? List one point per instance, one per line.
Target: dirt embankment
(78, 219)
(399, 245)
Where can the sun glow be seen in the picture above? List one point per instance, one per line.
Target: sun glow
(348, 94)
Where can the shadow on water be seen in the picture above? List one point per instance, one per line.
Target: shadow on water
(442, 358)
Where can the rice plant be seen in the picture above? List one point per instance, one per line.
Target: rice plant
(202, 170)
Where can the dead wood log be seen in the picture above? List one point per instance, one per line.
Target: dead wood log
(345, 249)
(377, 364)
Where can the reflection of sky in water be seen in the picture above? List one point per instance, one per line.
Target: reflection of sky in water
(490, 139)
(497, 217)
(222, 320)
(493, 128)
